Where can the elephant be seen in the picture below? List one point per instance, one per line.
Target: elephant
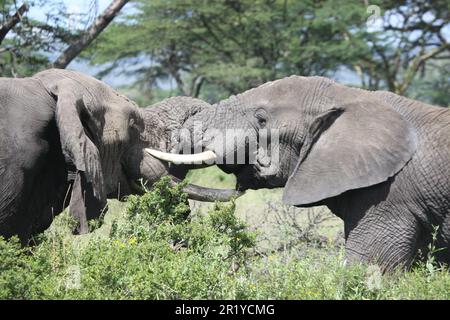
(68, 139)
(377, 160)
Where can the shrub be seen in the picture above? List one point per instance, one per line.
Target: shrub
(158, 249)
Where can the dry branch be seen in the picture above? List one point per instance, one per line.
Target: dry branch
(12, 21)
(91, 33)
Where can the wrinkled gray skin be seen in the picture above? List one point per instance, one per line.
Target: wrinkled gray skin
(69, 139)
(378, 160)
(163, 120)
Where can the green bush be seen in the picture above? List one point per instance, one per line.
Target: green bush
(158, 249)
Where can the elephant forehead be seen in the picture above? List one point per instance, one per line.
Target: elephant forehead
(117, 119)
(115, 108)
(284, 98)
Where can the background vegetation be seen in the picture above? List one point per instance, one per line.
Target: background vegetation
(214, 48)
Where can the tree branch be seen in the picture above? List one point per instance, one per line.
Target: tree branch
(196, 86)
(11, 23)
(91, 33)
(418, 61)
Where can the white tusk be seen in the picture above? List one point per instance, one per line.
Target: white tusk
(183, 158)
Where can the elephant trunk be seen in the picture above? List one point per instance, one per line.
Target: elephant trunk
(164, 119)
(199, 193)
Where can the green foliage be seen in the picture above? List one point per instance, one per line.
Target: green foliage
(212, 49)
(163, 204)
(13, 269)
(157, 250)
(42, 32)
(231, 45)
(434, 85)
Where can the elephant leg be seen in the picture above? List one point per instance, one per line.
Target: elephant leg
(388, 238)
(13, 216)
(443, 241)
(16, 186)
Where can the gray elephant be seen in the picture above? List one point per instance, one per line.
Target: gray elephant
(69, 139)
(378, 160)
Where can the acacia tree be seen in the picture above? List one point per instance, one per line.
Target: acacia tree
(220, 47)
(28, 45)
(434, 86)
(87, 36)
(16, 40)
(10, 22)
(413, 34)
(216, 48)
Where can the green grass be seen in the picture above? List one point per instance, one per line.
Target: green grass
(152, 248)
(263, 210)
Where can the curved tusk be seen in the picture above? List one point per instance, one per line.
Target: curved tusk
(183, 158)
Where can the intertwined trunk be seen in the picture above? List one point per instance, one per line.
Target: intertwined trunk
(163, 126)
(225, 129)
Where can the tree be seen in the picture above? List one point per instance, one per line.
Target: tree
(11, 22)
(90, 34)
(29, 45)
(216, 48)
(411, 35)
(228, 46)
(434, 85)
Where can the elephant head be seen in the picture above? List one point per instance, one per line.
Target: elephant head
(104, 137)
(313, 136)
(163, 123)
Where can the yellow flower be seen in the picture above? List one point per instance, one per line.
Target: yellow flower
(132, 240)
(120, 244)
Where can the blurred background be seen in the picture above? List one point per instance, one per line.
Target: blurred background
(211, 49)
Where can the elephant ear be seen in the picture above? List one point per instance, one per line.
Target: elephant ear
(88, 195)
(357, 145)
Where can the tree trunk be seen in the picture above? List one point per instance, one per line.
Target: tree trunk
(11, 23)
(91, 33)
(196, 86)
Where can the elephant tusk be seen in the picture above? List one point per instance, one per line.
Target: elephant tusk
(182, 158)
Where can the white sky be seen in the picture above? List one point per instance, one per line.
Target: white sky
(74, 7)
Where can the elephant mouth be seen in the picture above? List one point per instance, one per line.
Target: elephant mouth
(137, 186)
(193, 191)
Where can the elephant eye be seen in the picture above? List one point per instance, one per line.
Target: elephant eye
(261, 117)
(261, 120)
(135, 124)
